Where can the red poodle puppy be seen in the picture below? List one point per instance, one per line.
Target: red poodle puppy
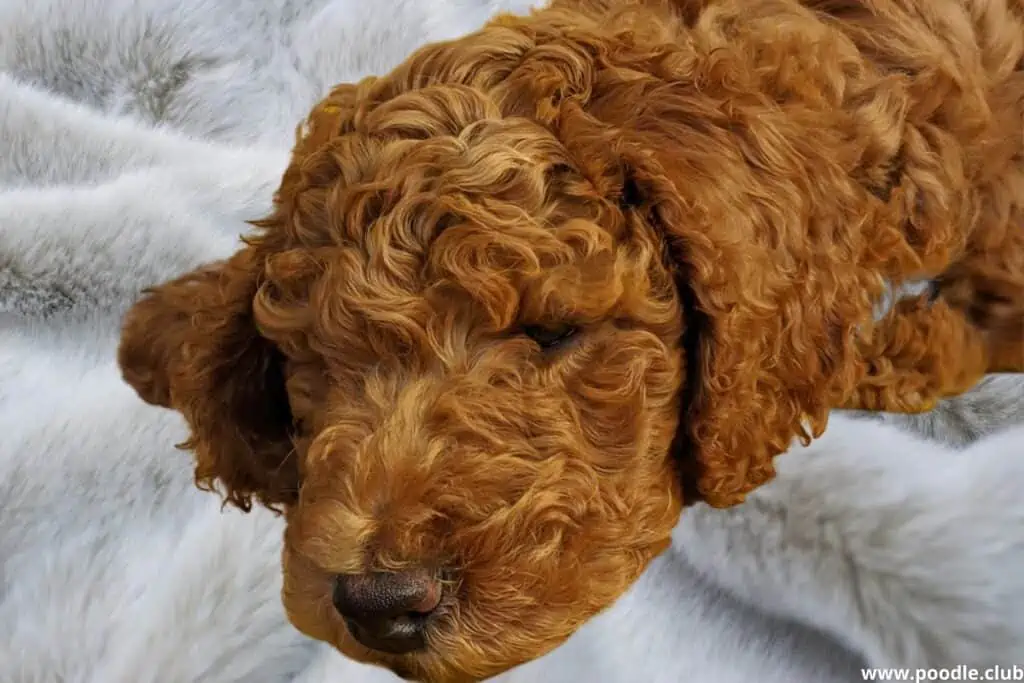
(523, 296)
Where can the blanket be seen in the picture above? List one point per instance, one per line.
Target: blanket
(136, 137)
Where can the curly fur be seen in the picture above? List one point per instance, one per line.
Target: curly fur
(716, 194)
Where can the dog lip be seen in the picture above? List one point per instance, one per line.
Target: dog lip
(399, 636)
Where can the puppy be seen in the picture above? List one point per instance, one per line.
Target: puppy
(524, 296)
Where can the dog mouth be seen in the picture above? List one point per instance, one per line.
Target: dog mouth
(401, 635)
(412, 647)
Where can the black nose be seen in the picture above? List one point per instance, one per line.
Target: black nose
(387, 611)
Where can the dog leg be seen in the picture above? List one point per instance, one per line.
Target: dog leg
(988, 286)
(920, 352)
(959, 421)
(987, 282)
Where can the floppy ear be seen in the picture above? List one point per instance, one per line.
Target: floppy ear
(766, 331)
(760, 344)
(191, 345)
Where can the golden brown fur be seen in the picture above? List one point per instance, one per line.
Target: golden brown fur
(714, 192)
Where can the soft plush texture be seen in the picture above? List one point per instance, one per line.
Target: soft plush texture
(871, 548)
(522, 298)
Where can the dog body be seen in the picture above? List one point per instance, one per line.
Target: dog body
(523, 296)
(115, 569)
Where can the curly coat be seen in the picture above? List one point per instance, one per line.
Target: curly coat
(523, 295)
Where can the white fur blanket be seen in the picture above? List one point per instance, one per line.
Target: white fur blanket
(135, 137)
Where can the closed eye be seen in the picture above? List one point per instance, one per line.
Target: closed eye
(550, 336)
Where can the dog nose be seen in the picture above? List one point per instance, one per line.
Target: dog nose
(387, 611)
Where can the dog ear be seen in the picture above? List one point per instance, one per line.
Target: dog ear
(771, 326)
(756, 353)
(192, 345)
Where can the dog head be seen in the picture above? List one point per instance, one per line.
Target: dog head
(453, 362)
(512, 305)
